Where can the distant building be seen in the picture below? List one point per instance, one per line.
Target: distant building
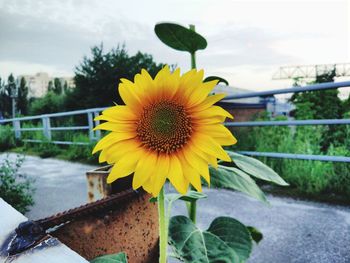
(245, 109)
(39, 83)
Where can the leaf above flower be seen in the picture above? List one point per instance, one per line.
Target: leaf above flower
(179, 37)
(210, 78)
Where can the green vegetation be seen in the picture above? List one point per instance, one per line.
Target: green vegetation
(7, 138)
(15, 188)
(309, 177)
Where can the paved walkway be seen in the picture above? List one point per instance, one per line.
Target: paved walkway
(294, 231)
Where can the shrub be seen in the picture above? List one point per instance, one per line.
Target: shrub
(46, 149)
(310, 177)
(81, 152)
(7, 138)
(15, 188)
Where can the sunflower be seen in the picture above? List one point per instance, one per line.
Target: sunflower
(169, 128)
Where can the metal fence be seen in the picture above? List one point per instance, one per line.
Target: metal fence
(47, 128)
(95, 135)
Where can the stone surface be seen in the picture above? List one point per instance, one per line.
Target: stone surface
(294, 231)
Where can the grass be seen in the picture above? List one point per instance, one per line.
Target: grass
(309, 178)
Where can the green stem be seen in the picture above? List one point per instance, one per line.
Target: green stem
(193, 211)
(193, 60)
(163, 231)
(193, 55)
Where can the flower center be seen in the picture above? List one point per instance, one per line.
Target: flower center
(164, 127)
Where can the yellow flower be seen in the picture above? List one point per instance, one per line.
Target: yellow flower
(167, 129)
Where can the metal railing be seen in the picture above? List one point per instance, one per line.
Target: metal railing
(322, 86)
(95, 135)
(47, 128)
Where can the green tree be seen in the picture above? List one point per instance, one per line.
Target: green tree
(5, 97)
(57, 86)
(50, 103)
(22, 99)
(97, 77)
(324, 104)
(50, 86)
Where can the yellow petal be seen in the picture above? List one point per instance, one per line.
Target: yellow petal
(110, 139)
(120, 113)
(116, 151)
(226, 140)
(128, 94)
(148, 186)
(197, 163)
(210, 120)
(190, 173)
(208, 102)
(192, 84)
(200, 94)
(125, 166)
(144, 170)
(117, 127)
(211, 112)
(160, 173)
(208, 145)
(217, 130)
(176, 176)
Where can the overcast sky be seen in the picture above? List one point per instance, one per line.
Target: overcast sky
(247, 40)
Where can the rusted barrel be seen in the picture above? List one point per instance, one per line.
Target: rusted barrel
(131, 226)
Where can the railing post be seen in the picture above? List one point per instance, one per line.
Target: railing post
(91, 126)
(98, 132)
(17, 128)
(47, 127)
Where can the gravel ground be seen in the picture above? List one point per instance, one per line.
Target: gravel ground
(294, 231)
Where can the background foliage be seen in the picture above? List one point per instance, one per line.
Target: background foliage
(15, 188)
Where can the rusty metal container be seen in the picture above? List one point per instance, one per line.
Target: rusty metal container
(131, 226)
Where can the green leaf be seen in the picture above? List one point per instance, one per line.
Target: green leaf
(233, 233)
(256, 168)
(235, 179)
(153, 200)
(113, 258)
(193, 245)
(179, 37)
(210, 78)
(189, 196)
(257, 236)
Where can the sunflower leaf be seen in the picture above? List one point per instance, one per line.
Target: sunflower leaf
(113, 258)
(179, 37)
(256, 168)
(235, 179)
(210, 78)
(226, 240)
(189, 196)
(257, 236)
(233, 233)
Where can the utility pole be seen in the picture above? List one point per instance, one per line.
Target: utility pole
(14, 94)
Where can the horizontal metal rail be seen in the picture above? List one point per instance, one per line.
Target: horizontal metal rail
(288, 123)
(53, 115)
(310, 157)
(322, 86)
(56, 142)
(72, 128)
(31, 129)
